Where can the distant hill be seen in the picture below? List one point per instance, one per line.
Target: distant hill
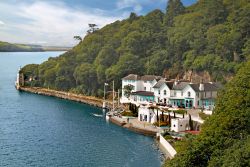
(9, 47)
(210, 36)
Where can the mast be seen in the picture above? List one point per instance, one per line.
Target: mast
(118, 98)
(113, 95)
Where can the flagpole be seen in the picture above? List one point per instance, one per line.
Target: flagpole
(104, 96)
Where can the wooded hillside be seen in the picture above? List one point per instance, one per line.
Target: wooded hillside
(211, 35)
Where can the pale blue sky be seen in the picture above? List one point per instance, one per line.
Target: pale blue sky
(55, 22)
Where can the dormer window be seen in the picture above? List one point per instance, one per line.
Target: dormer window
(165, 92)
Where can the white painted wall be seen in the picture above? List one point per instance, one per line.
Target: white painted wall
(187, 89)
(148, 85)
(138, 86)
(144, 111)
(162, 96)
(179, 124)
(176, 93)
(167, 146)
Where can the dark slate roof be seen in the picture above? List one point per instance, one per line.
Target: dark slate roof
(207, 86)
(218, 85)
(132, 77)
(159, 83)
(163, 81)
(143, 93)
(180, 85)
(150, 77)
(170, 84)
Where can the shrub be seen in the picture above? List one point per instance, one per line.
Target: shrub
(180, 111)
(203, 115)
(127, 113)
(161, 124)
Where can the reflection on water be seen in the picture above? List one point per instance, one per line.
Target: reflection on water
(45, 131)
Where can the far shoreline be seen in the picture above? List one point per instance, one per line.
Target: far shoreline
(65, 50)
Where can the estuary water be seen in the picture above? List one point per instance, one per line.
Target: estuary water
(37, 130)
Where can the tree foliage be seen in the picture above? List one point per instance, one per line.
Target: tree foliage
(224, 139)
(211, 35)
(128, 90)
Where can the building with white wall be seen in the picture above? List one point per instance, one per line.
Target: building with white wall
(146, 114)
(180, 124)
(162, 90)
(142, 88)
(149, 88)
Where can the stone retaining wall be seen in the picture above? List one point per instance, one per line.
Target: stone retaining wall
(65, 95)
(167, 146)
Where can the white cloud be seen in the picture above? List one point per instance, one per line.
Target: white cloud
(129, 3)
(2, 23)
(53, 23)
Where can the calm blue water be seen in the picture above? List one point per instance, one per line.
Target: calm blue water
(45, 131)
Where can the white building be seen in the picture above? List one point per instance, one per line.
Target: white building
(142, 88)
(149, 88)
(162, 91)
(180, 124)
(190, 95)
(146, 115)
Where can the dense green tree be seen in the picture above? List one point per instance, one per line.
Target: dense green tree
(210, 35)
(85, 75)
(223, 134)
(30, 70)
(174, 8)
(127, 91)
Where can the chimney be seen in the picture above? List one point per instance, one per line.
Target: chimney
(201, 87)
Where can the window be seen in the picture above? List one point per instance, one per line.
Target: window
(205, 94)
(165, 92)
(159, 92)
(145, 88)
(189, 94)
(181, 93)
(197, 94)
(211, 94)
(174, 93)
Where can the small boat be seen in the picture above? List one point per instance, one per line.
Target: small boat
(97, 115)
